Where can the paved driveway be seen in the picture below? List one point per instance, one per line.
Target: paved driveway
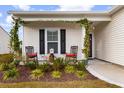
(106, 71)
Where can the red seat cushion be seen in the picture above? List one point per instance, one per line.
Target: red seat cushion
(71, 55)
(31, 55)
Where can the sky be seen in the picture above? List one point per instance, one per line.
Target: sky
(6, 20)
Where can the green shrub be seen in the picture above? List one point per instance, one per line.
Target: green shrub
(31, 65)
(16, 62)
(69, 69)
(36, 74)
(6, 58)
(12, 65)
(66, 62)
(10, 74)
(80, 74)
(81, 66)
(44, 67)
(4, 67)
(56, 74)
(58, 64)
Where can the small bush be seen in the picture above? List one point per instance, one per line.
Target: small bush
(36, 74)
(12, 65)
(16, 62)
(80, 74)
(6, 58)
(69, 69)
(31, 65)
(58, 64)
(44, 67)
(66, 62)
(56, 74)
(4, 67)
(81, 66)
(10, 74)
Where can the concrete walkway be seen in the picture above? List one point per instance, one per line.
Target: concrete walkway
(106, 71)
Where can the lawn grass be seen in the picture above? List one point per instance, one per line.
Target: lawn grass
(68, 84)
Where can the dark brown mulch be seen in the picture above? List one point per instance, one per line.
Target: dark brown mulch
(25, 76)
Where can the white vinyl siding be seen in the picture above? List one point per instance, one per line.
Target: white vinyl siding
(109, 39)
(73, 36)
(4, 41)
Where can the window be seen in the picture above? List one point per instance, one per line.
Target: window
(52, 35)
(52, 40)
(53, 45)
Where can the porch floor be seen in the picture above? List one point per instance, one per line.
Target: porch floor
(107, 71)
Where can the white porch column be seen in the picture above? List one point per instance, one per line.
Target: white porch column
(23, 42)
(82, 40)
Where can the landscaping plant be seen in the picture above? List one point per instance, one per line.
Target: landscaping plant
(88, 28)
(45, 67)
(80, 74)
(58, 64)
(31, 65)
(36, 74)
(56, 74)
(69, 69)
(16, 62)
(4, 66)
(66, 62)
(12, 65)
(10, 74)
(81, 66)
(15, 43)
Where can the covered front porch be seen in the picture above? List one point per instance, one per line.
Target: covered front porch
(74, 35)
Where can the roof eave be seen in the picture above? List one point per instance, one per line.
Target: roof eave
(110, 12)
(115, 9)
(56, 12)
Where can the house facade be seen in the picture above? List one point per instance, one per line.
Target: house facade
(59, 30)
(57, 35)
(4, 41)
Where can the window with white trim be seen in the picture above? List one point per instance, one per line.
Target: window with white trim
(52, 40)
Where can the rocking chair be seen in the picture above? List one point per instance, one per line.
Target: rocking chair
(73, 53)
(30, 54)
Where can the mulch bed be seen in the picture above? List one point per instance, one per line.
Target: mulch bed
(25, 77)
